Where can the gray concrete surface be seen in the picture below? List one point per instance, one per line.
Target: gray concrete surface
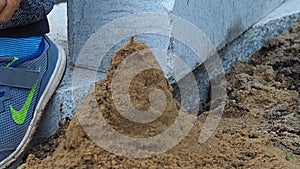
(236, 28)
(220, 20)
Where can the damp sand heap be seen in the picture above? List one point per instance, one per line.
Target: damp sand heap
(259, 129)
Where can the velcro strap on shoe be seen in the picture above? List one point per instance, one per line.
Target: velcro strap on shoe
(20, 78)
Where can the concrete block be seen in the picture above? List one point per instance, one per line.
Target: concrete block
(221, 21)
(86, 17)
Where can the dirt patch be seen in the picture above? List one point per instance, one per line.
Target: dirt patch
(260, 127)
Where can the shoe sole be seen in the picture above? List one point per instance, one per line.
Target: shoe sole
(51, 87)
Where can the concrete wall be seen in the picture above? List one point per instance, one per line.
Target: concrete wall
(221, 20)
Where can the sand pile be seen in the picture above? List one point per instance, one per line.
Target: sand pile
(140, 87)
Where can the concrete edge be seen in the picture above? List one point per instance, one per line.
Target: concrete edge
(243, 47)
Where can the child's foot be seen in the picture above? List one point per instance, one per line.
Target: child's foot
(25, 88)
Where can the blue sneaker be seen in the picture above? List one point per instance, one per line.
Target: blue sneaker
(25, 88)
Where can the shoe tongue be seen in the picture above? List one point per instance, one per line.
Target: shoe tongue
(6, 60)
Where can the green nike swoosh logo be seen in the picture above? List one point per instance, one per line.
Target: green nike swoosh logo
(20, 116)
(12, 62)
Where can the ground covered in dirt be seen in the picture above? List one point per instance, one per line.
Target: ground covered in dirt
(260, 127)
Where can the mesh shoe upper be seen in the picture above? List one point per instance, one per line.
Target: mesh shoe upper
(18, 103)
